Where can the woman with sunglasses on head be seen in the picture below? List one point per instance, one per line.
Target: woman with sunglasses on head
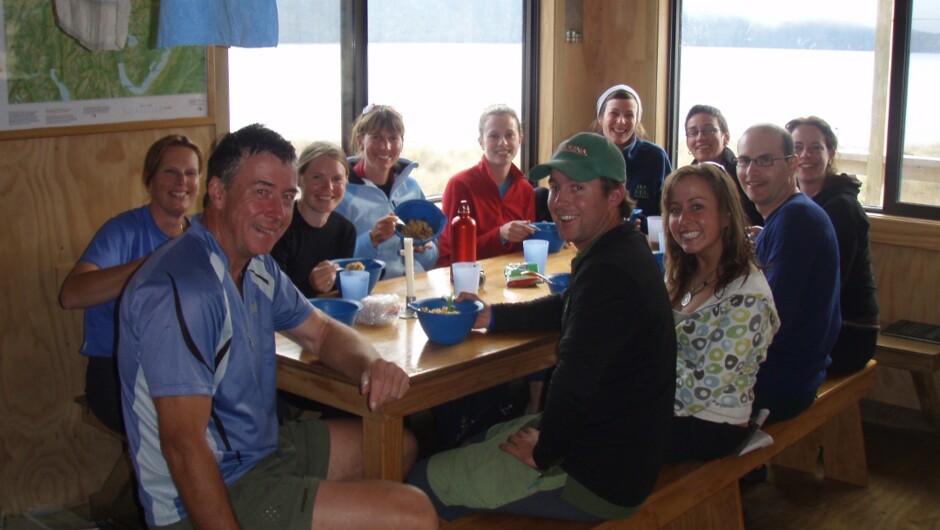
(815, 145)
(723, 308)
(171, 176)
(707, 136)
(618, 114)
(379, 180)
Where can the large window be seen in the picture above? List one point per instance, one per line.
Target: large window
(771, 61)
(438, 62)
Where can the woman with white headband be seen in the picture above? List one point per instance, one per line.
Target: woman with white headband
(619, 111)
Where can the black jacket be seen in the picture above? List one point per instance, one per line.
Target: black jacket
(610, 397)
(839, 198)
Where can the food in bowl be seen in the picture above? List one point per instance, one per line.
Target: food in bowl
(355, 266)
(417, 229)
(425, 212)
(373, 266)
(445, 327)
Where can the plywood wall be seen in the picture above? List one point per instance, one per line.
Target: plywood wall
(54, 194)
(622, 43)
(906, 258)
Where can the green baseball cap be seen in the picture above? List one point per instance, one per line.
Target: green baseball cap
(585, 157)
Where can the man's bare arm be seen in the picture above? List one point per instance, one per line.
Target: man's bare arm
(182, 422)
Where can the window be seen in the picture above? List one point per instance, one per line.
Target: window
(770, 61)
(295, 88)
(912, 182)
(438, 62)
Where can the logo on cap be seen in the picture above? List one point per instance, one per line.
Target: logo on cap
(576, 149)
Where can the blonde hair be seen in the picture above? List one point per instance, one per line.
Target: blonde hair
(374, 118)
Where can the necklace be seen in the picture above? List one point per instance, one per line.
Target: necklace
(690, 294)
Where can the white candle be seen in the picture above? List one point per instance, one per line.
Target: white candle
(409, 267)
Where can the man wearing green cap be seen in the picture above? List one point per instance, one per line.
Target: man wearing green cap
(593, 453)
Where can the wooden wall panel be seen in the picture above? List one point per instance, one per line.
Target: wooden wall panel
(54, 194)
(621, 44)
(908, 279)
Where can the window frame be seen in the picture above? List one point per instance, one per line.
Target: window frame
(354, 49)
(891, 203)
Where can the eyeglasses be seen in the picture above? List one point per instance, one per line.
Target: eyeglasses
(708, 131)
(761, 161)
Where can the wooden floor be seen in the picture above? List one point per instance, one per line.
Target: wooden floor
(903, 492)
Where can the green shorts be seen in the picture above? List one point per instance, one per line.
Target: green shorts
(279, 491)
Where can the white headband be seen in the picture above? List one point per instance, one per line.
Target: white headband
(620, 88)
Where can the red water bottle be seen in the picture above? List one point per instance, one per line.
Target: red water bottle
(463, 232)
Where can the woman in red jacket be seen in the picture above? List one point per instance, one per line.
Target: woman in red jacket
(501, 200)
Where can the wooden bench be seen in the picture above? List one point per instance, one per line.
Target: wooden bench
(705, 495)
(118, 487)
(922, 360)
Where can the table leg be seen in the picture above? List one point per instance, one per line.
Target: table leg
(382, 447)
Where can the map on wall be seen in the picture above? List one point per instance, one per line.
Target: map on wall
(47, 79)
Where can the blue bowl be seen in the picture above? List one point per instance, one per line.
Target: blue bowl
(447, 328)
(559, 282)
(548, 231)
(425, 211)
(660, 256)
(373, 266)
(341, 309)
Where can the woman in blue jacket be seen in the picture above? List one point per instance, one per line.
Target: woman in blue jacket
(379, 180)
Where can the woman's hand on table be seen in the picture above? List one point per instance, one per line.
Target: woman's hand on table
(521, 445)
(323, 276)
(516, 231)
(383, 230)
(382, 383)
(483, 317)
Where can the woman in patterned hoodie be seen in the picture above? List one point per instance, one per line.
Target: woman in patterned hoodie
(724, 311)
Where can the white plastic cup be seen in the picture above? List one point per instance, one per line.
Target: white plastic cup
(536, 251)
(354, 285)
(466, 277)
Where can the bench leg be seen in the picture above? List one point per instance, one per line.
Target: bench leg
(721, 511)
(841, 444)
(119, 485)
(928, 396)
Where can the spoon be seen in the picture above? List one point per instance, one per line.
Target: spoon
(539, 275)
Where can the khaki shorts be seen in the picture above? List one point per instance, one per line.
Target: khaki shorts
(279, 492)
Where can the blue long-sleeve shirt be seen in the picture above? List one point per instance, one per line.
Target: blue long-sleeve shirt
(799, 249)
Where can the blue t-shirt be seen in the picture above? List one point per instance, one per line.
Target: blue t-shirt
(185, 329)
(799, 248)
(122, 239)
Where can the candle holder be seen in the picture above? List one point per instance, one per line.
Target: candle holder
(407, 312)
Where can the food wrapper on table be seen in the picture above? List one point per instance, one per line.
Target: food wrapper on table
(379, 309)
(516, 274)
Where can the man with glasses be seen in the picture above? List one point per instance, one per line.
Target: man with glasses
(799, 251)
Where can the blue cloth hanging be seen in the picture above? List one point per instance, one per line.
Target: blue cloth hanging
(241, 23)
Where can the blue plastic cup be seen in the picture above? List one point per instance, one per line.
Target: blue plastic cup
(354, 285)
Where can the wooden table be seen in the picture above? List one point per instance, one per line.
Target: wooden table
(438, 374)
